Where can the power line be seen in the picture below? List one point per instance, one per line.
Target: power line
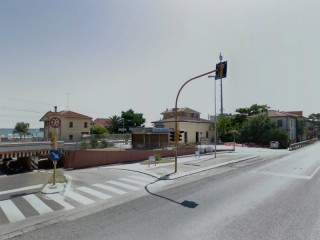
(26, 101)
(20, 116)
(20, 110)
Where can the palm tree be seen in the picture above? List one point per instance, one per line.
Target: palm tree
(116, 122)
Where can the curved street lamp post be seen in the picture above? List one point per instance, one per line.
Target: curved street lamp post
(176, 131)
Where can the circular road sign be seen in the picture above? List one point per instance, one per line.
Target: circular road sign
(55, 122)
(55, 155)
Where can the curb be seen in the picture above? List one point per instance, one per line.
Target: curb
(184, 174)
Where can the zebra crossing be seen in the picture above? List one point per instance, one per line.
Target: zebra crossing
(22, 207)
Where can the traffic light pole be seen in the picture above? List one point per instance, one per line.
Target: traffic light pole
(176, 130)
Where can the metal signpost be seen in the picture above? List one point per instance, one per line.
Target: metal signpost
(55, 154)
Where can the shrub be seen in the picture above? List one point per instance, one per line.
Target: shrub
(94, 143)
(104, 143)
(83, 145)
(158, 156)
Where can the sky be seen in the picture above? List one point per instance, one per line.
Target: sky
(101, 57)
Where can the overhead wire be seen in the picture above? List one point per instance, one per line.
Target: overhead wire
(26, 101)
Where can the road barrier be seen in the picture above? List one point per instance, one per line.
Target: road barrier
(295, 146)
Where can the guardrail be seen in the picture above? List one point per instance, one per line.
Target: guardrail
(24, 144)
(295, 146)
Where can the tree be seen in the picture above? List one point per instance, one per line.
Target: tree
(22, 129)
(99, 129)
(261, 129)
(301, 124)
(315, 118)
(224, 128)
(132, 119)
(254, 109)
(238, 119)
(115, 124)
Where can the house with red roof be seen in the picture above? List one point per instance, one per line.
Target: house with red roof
(73, 126)
(195, 128)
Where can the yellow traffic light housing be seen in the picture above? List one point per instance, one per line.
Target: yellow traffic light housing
(53, 140)
(221, 70)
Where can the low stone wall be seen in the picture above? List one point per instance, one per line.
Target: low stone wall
(90, 158)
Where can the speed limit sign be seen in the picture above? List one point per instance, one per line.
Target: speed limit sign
(55, 122)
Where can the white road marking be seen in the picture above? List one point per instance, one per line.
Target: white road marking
(133, 181)
(109, 188)
(284, 175)
(124, 185)
(79, 198)
(21, 189)
(314, 173)
(94, 192)
(11, 211)
(37, 204)
(60, 200)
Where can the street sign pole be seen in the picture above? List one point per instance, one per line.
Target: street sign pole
(55, 123)
(55, 147)
(54, 172)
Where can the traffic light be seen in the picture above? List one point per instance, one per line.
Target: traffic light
(221, 70)
(180, 135)
(172, 136)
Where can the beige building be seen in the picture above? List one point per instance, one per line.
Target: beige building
(195, 128)
(73, 126)
(285, 121)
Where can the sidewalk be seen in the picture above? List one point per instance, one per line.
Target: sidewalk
(191, 164)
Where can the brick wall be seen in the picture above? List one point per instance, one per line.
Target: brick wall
(90, 158)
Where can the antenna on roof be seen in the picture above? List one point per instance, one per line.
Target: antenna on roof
(68, 101)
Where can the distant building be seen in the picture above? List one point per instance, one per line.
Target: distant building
(105, 122)
(73, 125)
(189, 121)
(286, 121)
(149, 138)
(310, 129)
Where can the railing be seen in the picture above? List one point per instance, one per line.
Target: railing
(295, 146)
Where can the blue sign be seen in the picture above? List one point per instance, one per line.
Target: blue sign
(55, 155)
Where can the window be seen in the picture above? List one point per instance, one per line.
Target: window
(85, 125)
(70, 137)
(70, 124)
(46, 123)
(279, 123)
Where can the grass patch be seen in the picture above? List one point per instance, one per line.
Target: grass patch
(60, 178)
(167, 160)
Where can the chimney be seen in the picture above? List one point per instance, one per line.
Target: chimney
(55, 109)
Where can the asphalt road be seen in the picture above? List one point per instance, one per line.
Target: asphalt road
(276, 199)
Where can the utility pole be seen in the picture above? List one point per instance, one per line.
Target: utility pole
(221, 110)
